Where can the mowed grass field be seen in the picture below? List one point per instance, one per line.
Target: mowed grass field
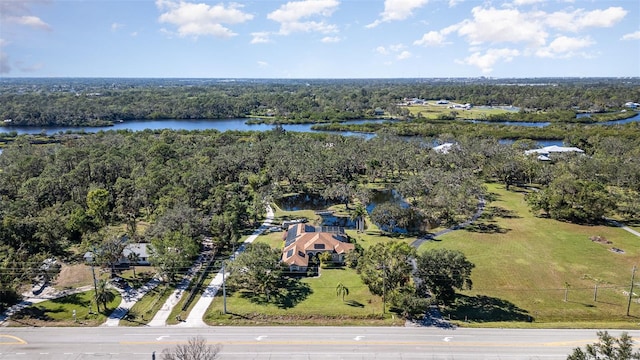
(320, 305)
(524, 265)
(432, 110)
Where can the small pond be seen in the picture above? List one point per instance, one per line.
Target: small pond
(317, 202)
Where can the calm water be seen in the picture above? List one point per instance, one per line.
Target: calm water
(217, 124)
(237, 124)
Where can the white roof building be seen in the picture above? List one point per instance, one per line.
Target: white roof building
(444, 148)
(545, 153)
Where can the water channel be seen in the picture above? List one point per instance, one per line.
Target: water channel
(241, 125)
(174, 124)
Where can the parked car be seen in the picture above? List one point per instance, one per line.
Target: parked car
(119, 282)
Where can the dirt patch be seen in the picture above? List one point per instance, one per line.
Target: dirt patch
(600, 240)
(73, 276)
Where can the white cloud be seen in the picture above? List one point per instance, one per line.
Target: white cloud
(263, 64)
(116, 26)
(382, 50)
(331, 39)
(526, 2)
(580, 19)
(631, 36)
(403, 55)
(15, 16)
(396, 47)
(486, 61)
(30, 21)
(134, 34)
(395, 10)
(260, 37)
(293, 16)
(563, 47)
(432, 38)
(507, 25)
(195, 20)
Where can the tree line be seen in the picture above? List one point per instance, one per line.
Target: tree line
(73, 102)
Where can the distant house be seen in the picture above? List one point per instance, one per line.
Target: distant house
(142, 249)
(547, 152)
(378, 112)
(632, 105)
(304, 241)
(444, 148)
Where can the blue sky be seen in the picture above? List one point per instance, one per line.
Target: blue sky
(319, 38)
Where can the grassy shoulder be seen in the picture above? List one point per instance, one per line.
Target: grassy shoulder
(525, 265)
(60, 312)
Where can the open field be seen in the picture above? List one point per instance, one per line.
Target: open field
(524, 265)
(431, 110)
(315, 304)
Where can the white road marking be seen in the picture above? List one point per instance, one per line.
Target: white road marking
(448, 338)
(358, 338)
(162, 337)
(259, 338)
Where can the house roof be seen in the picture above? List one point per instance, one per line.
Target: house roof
(139, 248)
(303, 238)
(142, 249)
(554, 149)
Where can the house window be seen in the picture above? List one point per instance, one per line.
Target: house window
(318, 246)
(289, 253)
(300, 253)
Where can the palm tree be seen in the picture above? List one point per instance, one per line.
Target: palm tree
(358, 215)
(103, 295)
(342, 290)
(133, 258)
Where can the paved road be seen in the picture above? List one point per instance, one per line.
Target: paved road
(296, 342)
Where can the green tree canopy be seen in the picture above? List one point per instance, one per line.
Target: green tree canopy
(257, 270)
(442, 271)
(607, 348)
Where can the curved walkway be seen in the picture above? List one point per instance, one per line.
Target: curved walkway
(129, 298)
(194, 319)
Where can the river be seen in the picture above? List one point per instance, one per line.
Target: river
(239, 125)
(139, 125)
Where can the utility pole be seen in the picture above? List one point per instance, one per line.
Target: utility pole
(384, 288)
(633, 275)
(224, 291)
(93, 272)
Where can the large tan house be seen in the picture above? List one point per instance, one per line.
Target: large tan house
(303, 241)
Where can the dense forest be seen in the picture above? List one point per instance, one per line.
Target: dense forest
(76, 102)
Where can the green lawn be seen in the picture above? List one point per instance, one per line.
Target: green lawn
(320, 305)
(523, 263)
(433, 111)
(59, 312)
